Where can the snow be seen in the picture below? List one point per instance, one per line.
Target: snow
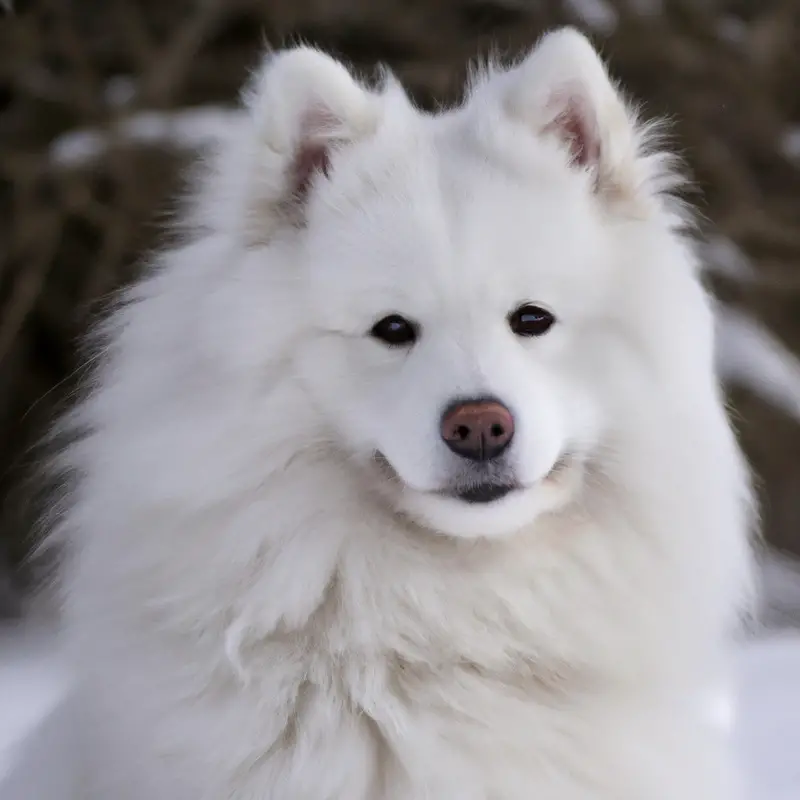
(750, 356)
(768, 731)
(647, 8)
(184, 129)
(119, 91)
(732, 30)
(780, 591)
(597, 15)
(790, 146)
(722, 256)
(37, 761)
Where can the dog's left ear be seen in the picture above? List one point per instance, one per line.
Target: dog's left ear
(562, 90)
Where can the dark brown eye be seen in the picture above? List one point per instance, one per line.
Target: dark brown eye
(395, 330)
(531, 320)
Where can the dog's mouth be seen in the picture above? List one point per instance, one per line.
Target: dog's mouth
(483, 492)
(479, 489)
(490, 491)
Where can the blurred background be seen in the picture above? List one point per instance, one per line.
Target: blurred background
(102, 102)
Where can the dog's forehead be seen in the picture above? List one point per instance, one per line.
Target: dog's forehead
(529, 205)
(429, 219)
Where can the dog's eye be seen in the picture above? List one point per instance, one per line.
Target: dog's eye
(395, 330)
(529, 320)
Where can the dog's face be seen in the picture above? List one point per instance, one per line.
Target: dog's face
(457, 310)
(462, 282)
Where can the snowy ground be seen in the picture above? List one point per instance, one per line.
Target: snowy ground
(36, 736)
(767, 729)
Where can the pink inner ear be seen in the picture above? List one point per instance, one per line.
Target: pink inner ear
(313, 156)
(575, 126)
(310, 160)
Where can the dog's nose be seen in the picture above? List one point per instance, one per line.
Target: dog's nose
(479, 429)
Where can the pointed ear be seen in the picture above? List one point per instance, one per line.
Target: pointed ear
(302, 106)
(562, 91)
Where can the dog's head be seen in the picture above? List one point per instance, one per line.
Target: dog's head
(479, 296)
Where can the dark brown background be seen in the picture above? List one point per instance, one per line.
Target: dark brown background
(727, 72)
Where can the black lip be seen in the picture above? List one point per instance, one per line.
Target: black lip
(477, 494)
(484, 492)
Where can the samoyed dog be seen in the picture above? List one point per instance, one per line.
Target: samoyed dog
(406, 475)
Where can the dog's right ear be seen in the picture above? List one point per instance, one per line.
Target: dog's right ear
(302, 107)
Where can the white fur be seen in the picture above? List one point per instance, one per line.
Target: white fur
(259, 612)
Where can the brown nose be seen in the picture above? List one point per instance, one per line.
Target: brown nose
(479, 430)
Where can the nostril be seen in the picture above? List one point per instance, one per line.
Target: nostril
(497, 430)
(462, 433)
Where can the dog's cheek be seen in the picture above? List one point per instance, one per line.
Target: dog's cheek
(337, 387)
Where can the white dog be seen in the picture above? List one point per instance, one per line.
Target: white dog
(407, 476)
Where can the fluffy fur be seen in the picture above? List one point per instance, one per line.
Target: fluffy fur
(275, 591)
